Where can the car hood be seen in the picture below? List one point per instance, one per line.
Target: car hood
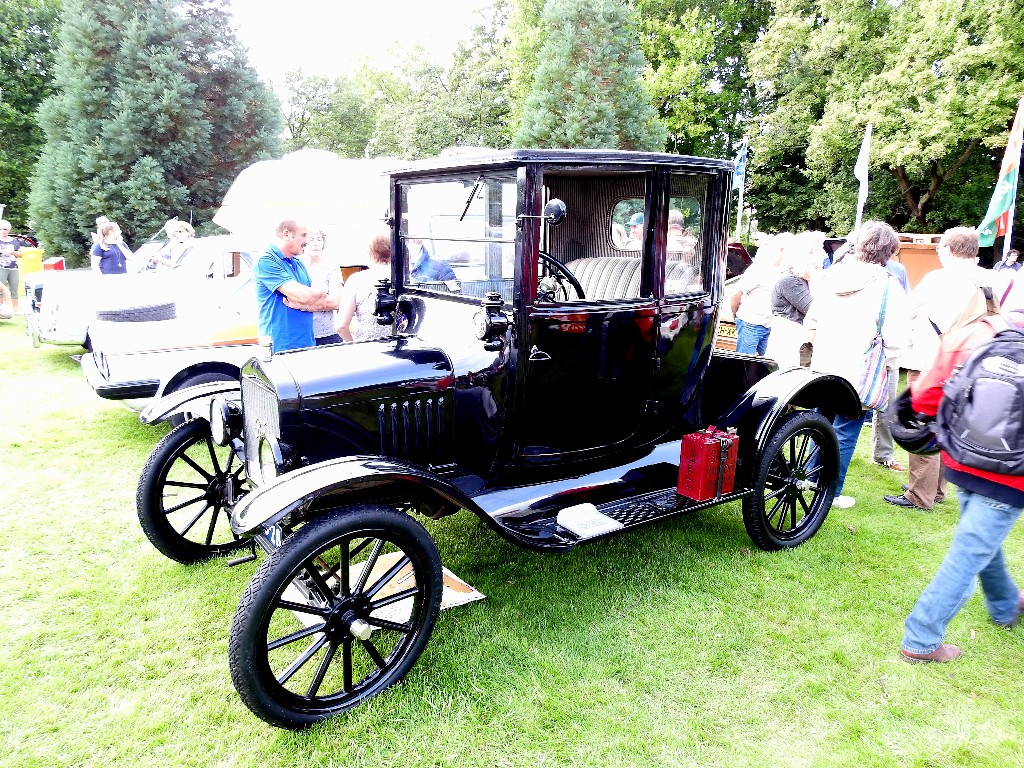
(325, 376)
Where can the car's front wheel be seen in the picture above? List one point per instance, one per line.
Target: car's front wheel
(340, 612)
(185, 494)
(794, 483)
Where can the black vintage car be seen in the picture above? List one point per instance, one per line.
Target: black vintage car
(546, 388)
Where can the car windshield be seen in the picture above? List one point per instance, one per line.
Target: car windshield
(214, 257)
(458, 235)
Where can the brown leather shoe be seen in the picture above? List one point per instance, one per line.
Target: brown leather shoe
(1020, 609)
(892, 464)
(942, 654)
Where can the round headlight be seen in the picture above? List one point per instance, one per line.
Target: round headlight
(481, 324)
(270, 458)
(219, 421)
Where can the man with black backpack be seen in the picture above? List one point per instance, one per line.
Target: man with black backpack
(946, 299)
(975, 389)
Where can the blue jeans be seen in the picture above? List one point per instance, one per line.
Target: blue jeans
(847, 432)
(976, 550)
(751, 339)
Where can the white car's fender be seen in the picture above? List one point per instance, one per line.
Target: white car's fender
(190, 400)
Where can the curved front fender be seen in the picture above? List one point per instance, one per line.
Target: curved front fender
(298, 490)
(189, 400)
(755, 415)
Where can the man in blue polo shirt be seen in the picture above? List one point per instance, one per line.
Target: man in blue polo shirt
(283, 293)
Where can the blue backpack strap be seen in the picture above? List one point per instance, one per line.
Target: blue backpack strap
(881, 311)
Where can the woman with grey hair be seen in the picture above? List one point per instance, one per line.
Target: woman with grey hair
(852, 298)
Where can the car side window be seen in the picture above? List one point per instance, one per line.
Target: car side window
(458, 235)
(594, 243)
(685, 248)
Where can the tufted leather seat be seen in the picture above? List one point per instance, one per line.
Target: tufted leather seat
(608, 277)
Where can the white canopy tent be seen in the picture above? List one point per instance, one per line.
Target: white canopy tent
(348, 198)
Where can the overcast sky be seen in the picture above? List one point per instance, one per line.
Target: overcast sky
(328, 37)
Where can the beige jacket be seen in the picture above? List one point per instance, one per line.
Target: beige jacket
(843, 317)
(949, 298)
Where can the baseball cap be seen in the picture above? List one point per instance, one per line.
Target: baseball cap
(635, 220)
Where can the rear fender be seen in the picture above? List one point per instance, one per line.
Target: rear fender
(756, 413)
(190, 400)
(351, 479)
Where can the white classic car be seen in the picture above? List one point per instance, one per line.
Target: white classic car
(66, 304)
(211, 336)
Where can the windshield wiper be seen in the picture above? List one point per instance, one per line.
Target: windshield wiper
(472, 194)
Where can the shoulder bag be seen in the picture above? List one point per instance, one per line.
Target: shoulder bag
(872, 382)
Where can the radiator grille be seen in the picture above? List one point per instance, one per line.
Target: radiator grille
(412, 428)
(260, 412)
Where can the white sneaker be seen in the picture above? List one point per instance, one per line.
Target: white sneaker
(843, 502)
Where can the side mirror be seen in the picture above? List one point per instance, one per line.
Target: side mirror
(555, 211)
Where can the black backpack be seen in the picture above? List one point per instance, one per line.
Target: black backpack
(980, 422)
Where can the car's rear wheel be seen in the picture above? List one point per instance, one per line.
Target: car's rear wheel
(185, 494)
(795, 482)
(340, 612)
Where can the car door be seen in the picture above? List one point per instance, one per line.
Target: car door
(589, 361)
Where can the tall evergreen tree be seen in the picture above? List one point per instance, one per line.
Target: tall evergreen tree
(587, 91)
(27, 44)
(155, 112)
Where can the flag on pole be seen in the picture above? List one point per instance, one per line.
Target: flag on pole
(740, 172)
(999, 219)
(738, 177)
(860, 171)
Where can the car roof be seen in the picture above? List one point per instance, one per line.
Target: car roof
(485, 158)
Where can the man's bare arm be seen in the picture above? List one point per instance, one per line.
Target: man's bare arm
(299, 296)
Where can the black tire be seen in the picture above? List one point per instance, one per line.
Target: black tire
(145, 313)
(281, 664)
(183, 494)
(794, 484)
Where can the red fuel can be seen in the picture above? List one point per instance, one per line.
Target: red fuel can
(707, 464)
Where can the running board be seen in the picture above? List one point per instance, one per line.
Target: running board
(630, 512)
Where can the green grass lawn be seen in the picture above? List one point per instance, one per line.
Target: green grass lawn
(679, 644)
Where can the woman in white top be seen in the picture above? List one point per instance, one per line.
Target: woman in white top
(752, 302)
(356, 321)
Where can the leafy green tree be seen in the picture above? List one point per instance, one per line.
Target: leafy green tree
(27, 44)
(415, 110)
(699, 75)
(588, 89)
(939, 81)
(426, 108)
(525, 40)
(155, 111)
(337, 115)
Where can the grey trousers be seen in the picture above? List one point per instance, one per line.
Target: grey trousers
(881, 437)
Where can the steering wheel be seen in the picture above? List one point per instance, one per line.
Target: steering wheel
(561, 271)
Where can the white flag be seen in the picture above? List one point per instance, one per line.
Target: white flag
(860, 171)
